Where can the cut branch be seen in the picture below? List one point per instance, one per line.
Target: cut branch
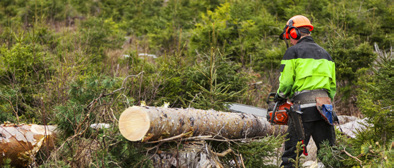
(350, 155)
(224, 153)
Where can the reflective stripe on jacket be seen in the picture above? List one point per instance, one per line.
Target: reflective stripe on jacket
(306, 66)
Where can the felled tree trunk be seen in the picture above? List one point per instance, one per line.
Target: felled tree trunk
(155, 123)
(20, 143)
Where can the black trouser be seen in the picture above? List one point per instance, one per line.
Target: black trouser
(319, 130)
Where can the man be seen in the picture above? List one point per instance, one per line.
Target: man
(307, 73)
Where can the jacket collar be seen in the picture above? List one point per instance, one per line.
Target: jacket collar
(306, 39)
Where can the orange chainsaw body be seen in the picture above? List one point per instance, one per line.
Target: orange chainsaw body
(281, 116)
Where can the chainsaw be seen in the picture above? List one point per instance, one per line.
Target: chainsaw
(277, 114)
(282, 112)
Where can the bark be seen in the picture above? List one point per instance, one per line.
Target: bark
(155, 123)
(20, 143)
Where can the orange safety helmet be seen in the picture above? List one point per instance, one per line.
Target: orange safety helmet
(291, 28)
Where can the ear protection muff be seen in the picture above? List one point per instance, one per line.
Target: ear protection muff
(290, 31)
(293, 32)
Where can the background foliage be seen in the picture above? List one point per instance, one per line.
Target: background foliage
(76, 62)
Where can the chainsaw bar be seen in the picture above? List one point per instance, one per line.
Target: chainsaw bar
(242, 108)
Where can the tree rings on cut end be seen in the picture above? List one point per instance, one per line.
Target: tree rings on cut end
(134, 123)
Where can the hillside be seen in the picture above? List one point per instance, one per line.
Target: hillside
(72, 63)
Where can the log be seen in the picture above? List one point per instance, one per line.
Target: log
(155, 123)
(20, 143)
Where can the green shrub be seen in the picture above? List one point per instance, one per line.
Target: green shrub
(373, 146)
(213, 81)
(82, 107)
(24, 69)
(99, 35)
(375, 98)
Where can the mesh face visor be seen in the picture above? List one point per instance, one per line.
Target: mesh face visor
(282, 35)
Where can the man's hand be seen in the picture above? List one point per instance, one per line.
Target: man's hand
(279, 99)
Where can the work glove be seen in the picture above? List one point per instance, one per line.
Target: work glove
(279, 99)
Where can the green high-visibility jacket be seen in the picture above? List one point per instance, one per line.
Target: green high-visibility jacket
(306, 66)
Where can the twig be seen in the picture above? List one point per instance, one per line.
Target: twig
(347, 153)
(194, 97)
(235, 159)
(335, 157)
(90, 105)
(12, 106)
(218, 134)
(114, 163)
(242, 160)
(177, 153)
(125, 79)
(113, 92)
(113, 115)
(83, 121)
(155, 147)
(147, 151)
(53, 154)
(173, 138)
(224, 153)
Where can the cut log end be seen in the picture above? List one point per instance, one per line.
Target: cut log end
(134, 123)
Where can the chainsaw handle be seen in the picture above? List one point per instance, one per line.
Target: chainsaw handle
(270, 97)
(273, 112)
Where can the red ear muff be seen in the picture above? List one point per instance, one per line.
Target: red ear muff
(293, 31)
(290, 31)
